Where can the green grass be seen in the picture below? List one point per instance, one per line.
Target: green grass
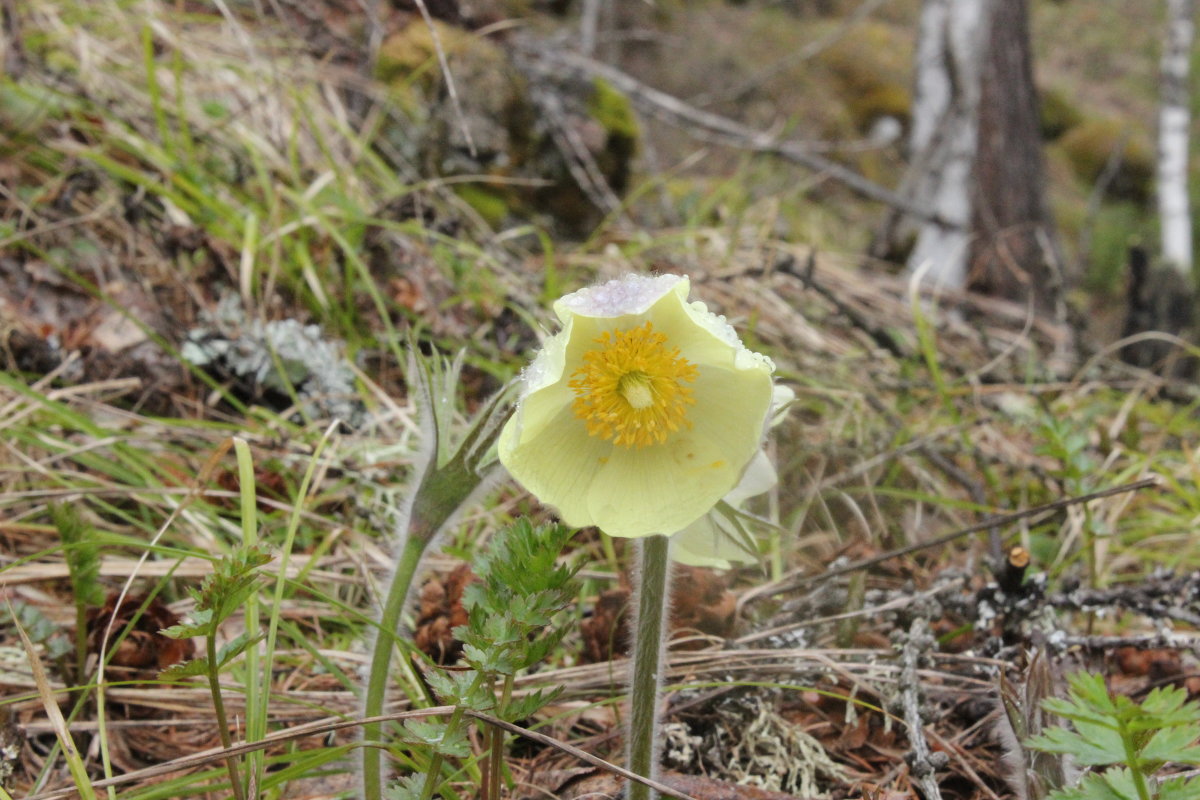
(179, 129)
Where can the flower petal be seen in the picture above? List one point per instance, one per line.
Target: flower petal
(708, 542)
(758, 478)
(632, 295)
(702, 336)
(556, 460)
(663, 485)
(663, 489)
(712, 540)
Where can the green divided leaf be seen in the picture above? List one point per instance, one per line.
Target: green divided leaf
(1134, 739)
(187, 669)
(1099, 747)
(436, 734)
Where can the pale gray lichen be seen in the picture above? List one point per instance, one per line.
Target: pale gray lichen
(273, 359)
(680, 744)
(770, 752)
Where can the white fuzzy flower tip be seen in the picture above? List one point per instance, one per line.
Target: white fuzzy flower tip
(641, 413)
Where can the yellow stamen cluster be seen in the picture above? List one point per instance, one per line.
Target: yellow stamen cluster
(631, 389)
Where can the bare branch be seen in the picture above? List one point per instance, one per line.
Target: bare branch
(676, 112)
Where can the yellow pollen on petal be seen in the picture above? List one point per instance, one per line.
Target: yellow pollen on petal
(631, 389)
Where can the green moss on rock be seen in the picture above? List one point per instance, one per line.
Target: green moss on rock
(870, 72)
(1056, 113)
(1117, 226)
(612, 110)
(497, 128)
(409, 53)
(1089, 146)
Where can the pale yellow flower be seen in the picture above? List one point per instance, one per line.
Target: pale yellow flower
(721, 538)
(641, 413)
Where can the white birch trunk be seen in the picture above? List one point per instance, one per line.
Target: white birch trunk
(589, 26)
(1174, 119)
(949, 61)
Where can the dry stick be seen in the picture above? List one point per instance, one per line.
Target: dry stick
(321, 729)
(881, 336)
(687, 117)
(589, 23)
(1172, 598)
(868, 611)
(580, 163)
(790, 60)
(1169, 640)
(445, 67)
(15, 56)
(924, 763)
(995, 521)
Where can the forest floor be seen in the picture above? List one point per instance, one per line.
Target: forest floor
(202, 268)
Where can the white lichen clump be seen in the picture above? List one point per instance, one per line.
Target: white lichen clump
(277, 357)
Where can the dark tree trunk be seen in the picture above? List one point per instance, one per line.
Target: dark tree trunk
(1160, 299)
(1013, 251)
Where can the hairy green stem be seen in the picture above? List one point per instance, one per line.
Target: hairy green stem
(497, 748)
(214, 687)
(81, 645)
(653, 598)
(381, 661)
(1134, 763)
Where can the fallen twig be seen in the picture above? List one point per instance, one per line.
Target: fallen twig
(990, 522)
(923, 761)
(676, 112)
(325, 727)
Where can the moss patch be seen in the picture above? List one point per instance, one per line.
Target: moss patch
(1117, 226)
(612, 110)
(870, 71)
(409, 54)
(1089, 146)
(1057, 114)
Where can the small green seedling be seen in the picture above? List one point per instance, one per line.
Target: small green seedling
(82, 554)
(512, 613)
(220, 596)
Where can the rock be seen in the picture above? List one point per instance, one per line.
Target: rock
(550, 147)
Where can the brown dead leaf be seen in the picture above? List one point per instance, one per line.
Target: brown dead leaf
(440, 611)
(700, 604)
(269, 484)
(144, 647)
(606, 631)
(407, 294)
(1154, 664)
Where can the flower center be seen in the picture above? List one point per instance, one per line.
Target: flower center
(635, 387)
(631, 390)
